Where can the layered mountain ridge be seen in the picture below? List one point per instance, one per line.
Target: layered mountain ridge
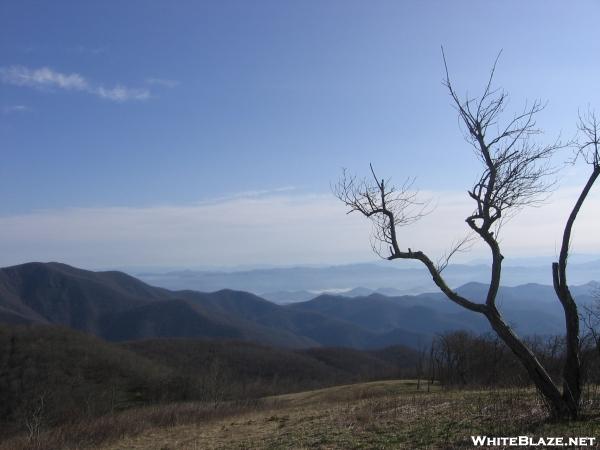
(119, 307)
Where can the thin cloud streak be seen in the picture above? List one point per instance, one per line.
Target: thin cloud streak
(46, 78)
(15, 109)
(120, 93)
(269, 229)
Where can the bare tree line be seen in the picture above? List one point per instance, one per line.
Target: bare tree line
(464, 359)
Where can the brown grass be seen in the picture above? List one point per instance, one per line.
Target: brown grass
(91, 433)
(378, 415)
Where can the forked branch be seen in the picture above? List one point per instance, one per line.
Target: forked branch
(515, 170)
(389, 208)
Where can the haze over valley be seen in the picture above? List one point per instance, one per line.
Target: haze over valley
(291, 284)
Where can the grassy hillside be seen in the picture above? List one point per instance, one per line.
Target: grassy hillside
(64, 389)
(378, 415)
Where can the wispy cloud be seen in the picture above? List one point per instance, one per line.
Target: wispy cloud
(163, 82)
(278, 228)
(49, 79)
(12, 109)
(42, 78)
(121, 93)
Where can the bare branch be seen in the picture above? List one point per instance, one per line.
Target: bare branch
(516, 169)
(459, 246)
(388, 207)
(588, 144)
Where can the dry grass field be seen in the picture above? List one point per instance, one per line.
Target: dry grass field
(376, 415)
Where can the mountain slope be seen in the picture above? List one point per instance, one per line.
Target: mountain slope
(320, 328)
(530, 309)
(118, 307)
(61, 294)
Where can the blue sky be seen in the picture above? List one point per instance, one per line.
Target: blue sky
(142, 107)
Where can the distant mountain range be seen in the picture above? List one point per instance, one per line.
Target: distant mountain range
(287, 297)
(118, 307)
(293, 284)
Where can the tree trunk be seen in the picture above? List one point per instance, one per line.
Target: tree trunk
(542, 380)
(572, 368)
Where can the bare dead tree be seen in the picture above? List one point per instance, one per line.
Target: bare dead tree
(516, 173)
(588, 146)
